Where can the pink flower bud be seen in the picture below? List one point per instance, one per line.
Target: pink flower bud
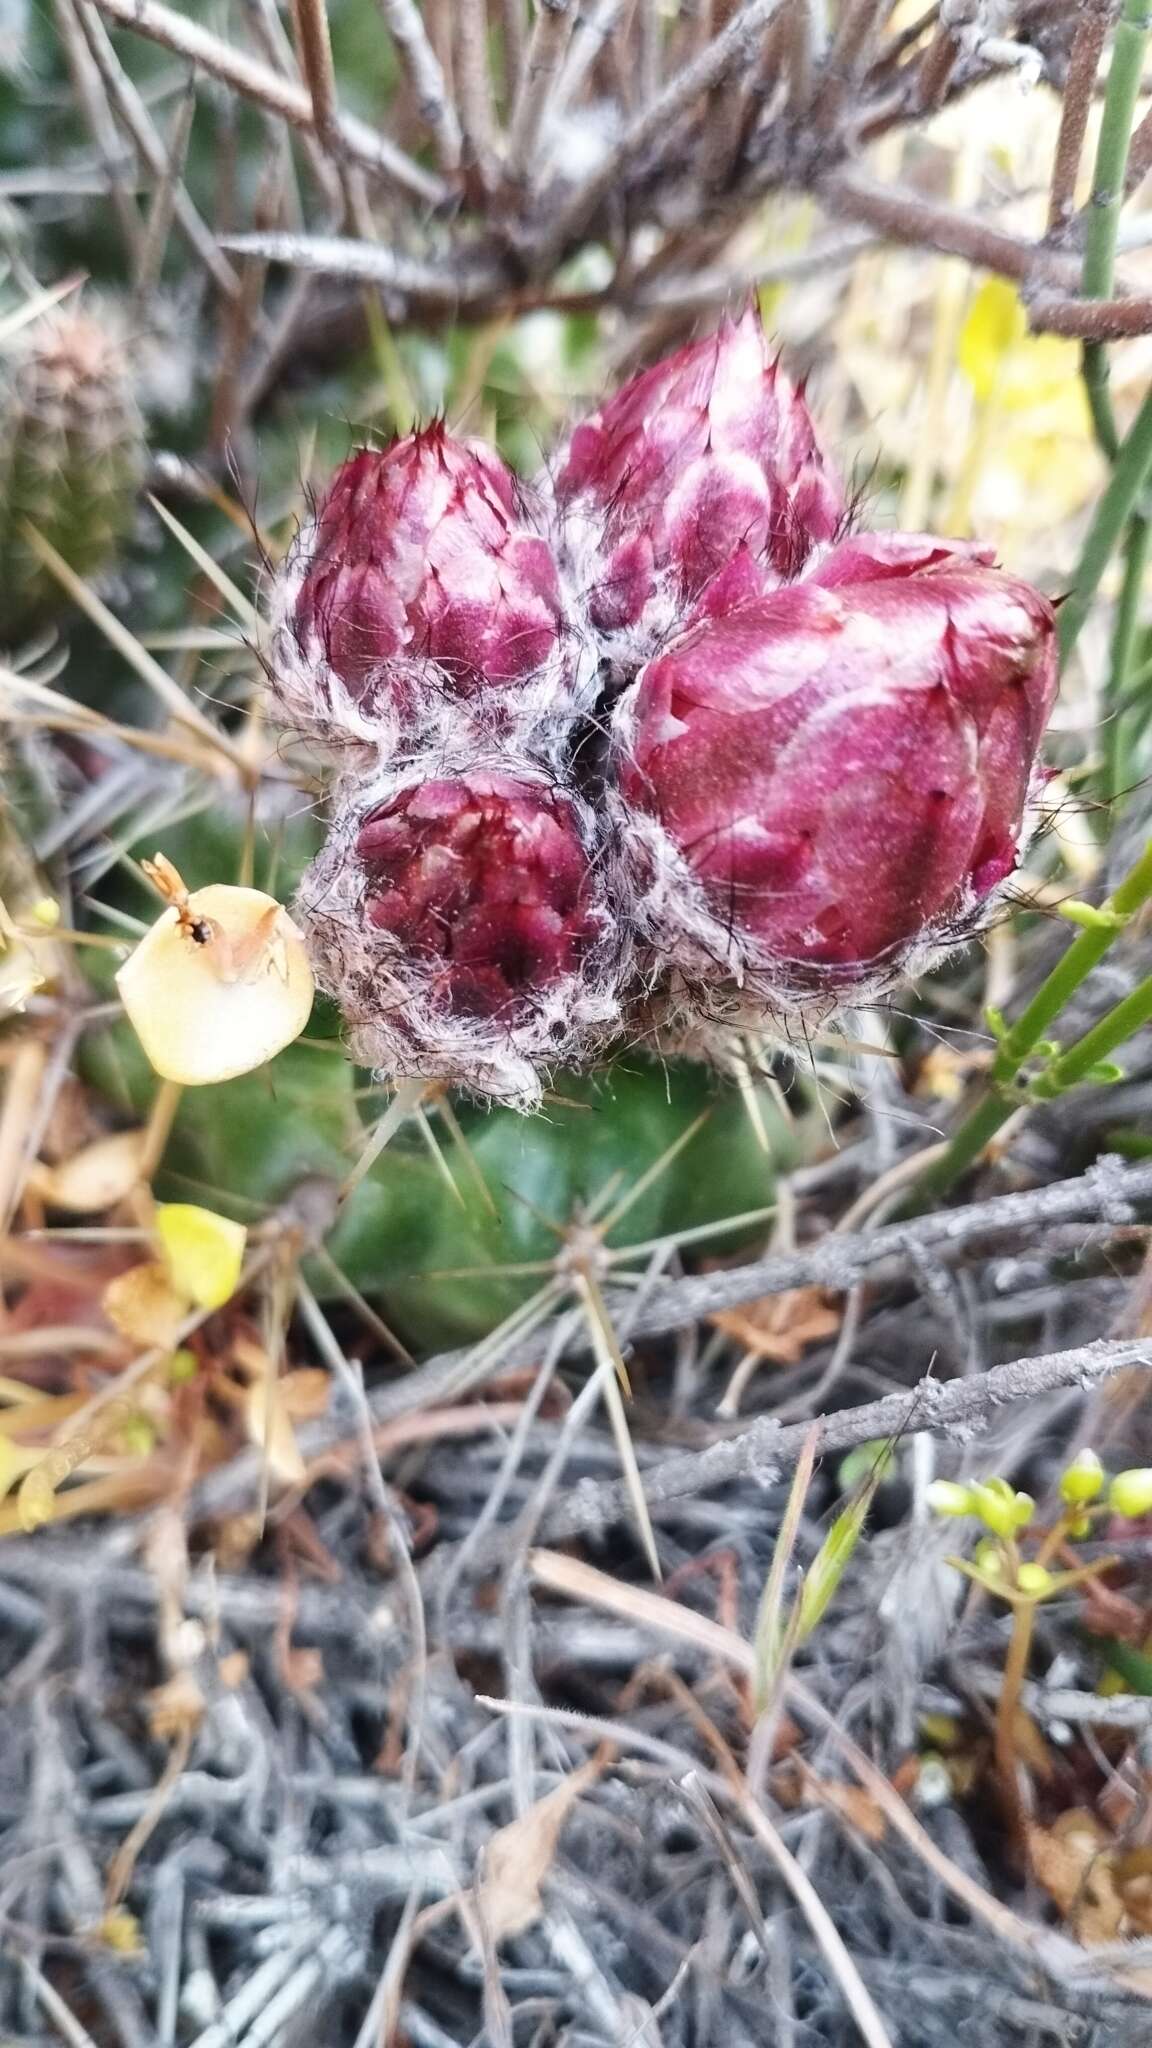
(829, 781)
(708, 457)
(461, 924)
(486, 882)
(420, 573)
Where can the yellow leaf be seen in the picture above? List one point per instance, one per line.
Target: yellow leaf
(219, 985)
(96, 1177)
(996, 322)
(203, 1253)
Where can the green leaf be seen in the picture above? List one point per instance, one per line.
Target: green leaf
(835, 1553)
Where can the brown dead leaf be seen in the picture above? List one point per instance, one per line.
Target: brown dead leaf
(98, 1176)
(1136, 1892)
(943, 1073)
(780, 1327)
(306, 1392)
(176, 1707)
(143, 1306)
(507, 1898)
(232, 1669)
(267, 1419)
(851, 1802)
(1073, 1862)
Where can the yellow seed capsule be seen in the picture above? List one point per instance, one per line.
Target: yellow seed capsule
(1001, 1510)
(219, 985)
(1082, 1480)
(1034, 1579)
(1131, 1492)
(989, 1558)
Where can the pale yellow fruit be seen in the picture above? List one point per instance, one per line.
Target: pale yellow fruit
(218, 987)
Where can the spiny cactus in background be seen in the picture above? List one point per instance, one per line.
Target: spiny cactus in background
(72, 455)
(751, 768)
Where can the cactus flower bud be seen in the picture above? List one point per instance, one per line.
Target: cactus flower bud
(419, 577)
(487, 881)
(1130, 1493)
(705, 467)
(822, 789)
(1082, 1480)
(461, 924)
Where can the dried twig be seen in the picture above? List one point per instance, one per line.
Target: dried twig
(767, 1448)
(256, 81)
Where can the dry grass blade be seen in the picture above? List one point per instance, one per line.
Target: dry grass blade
(132, 113)
(770, 1637)
(231, 592)
(158, 680)
(613, 1377)
(856, 1995)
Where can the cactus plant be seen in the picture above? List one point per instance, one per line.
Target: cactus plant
(71, 454)
(785, 767)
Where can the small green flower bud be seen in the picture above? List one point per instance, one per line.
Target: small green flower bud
(1082, 1479)
(1131, 1492)
(1001, 1510)
(1034, 1579)
(989, 1558)
(946, 1497)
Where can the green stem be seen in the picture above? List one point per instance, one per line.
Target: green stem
(1123, 91)
(1086, 951)
(1097, 281)
(1121, 1023)
(1007, 1708)
(1128, 479)
(1125, 642)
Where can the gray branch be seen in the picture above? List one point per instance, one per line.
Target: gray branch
(768, 1448)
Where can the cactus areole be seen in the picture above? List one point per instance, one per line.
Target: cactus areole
(658, 746)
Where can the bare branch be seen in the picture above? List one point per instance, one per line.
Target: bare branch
(314, 50)
(1090, 319)
(593, 27)
(656, 127)
(372, 263)
(767, 1448)
(1110, 1191)
(92, 97)
(474, 87)
(130, 109)
(255, 81)
(549, 40)
(904, 216)
(426, 77)
(1079, 88)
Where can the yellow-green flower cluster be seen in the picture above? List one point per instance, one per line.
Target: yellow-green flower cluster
(994, 1502)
